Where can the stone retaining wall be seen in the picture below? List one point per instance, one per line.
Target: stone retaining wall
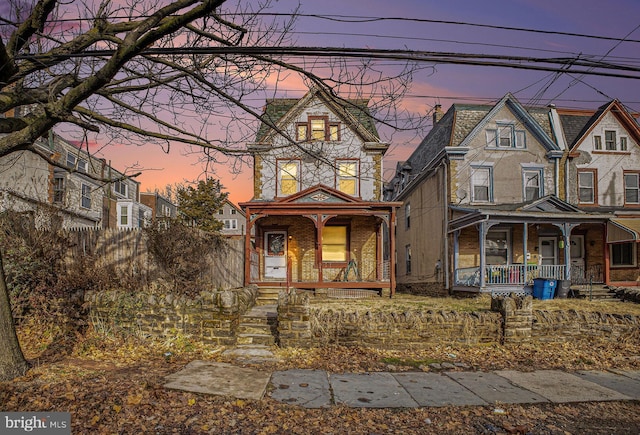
(212, 317)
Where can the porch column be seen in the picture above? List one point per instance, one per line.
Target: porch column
(566, 235)
(456, 249)
(392, 247)
(482, 234)
(525, 250)
(319, 226)
(247, 248)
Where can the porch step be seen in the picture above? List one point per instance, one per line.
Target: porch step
(268, 295)
(600, 292)
(258, 326)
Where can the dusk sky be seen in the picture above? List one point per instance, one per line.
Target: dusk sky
(443, 84)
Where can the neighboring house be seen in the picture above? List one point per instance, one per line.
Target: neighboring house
(122, 206)
(162, 209)
(482, 209)
(233, 220)
(29, 182)
(603, 176)
(318, 214)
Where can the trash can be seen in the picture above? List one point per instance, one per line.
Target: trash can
(563, 289)
(543, 288)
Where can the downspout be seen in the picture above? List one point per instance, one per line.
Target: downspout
(445, 229)
(556, 127)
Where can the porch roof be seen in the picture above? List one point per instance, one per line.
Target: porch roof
(623, 230)
(517, 214)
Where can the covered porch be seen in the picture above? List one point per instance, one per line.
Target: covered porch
(502, 251)
(321, 240)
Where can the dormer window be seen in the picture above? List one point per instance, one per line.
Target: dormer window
(318, 128)
(75, 163)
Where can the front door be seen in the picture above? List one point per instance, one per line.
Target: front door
(275, 258)
(548, 250)
(577, 257)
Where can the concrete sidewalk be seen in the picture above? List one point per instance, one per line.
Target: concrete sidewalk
(320, 389)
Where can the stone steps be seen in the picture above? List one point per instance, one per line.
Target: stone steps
(268, 295)
(598, 292)
(258, 327)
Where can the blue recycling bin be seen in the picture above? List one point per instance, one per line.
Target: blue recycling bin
(544, 288)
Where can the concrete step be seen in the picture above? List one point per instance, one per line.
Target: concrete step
(256, 339)
(597, 292)
(268, 295)
(255, 328)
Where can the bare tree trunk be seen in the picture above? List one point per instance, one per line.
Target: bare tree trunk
(12, 361)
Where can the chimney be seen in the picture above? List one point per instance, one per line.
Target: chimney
(437, 113)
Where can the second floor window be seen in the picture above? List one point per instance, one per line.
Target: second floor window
(288, 177)
(407, 216)
(597, 142)
(58, 190)
(85, 200)
(532, 180)
(348, 177)
(631, 188)
(481, 184)
(586, 187)
(230, 224)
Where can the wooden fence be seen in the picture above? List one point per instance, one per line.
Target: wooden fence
(126, 252)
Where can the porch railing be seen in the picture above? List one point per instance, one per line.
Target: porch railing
(510, 274)
(254, 259)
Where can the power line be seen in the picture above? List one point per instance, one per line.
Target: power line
(507, 61)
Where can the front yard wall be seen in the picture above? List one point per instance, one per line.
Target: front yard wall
(214, 317)
(211, 317)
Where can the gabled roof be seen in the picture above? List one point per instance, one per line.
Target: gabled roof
(576, 127)
(461, 123)
(523, 115)
(550, 203)
(353, 112)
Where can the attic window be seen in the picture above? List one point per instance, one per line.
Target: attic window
(505, 136)
(318, 128)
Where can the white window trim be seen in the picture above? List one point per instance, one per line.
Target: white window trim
(129, 207)
(637, 188)
(592, 187)
(84, 196)
(356, 177)
(279, 169)
(540, 172)
(474, 168)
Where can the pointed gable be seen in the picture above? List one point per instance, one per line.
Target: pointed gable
(551, 204)
(572, 122)
(354, 113)
(533, 125)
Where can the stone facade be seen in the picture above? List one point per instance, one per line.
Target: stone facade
(294, 326)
